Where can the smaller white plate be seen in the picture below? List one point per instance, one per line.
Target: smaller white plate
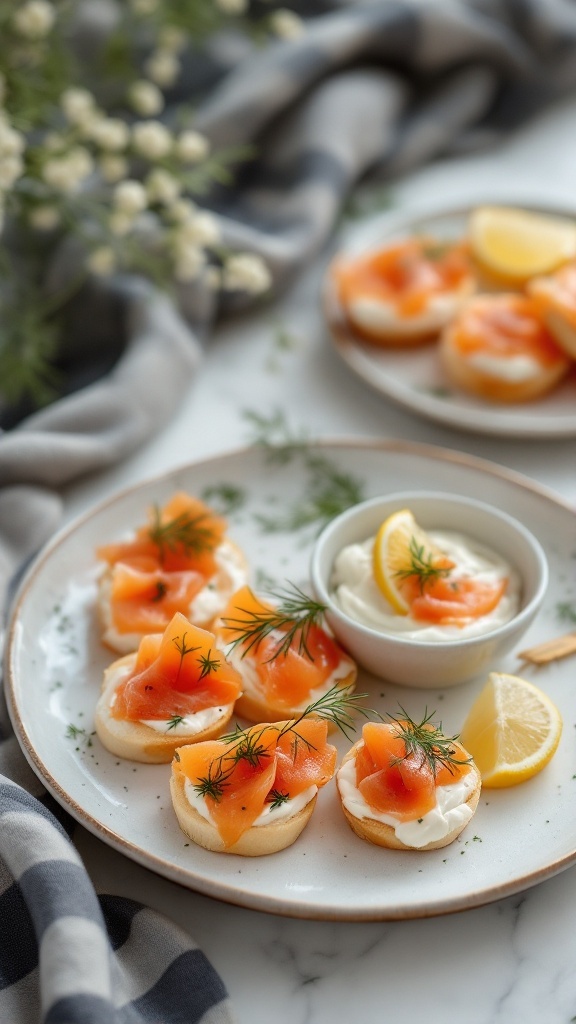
(414, 378)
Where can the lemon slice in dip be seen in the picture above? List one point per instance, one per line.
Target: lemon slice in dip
(516, 244)
(399, 540)
(512, 730)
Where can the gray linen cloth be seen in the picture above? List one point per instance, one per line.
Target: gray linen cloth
(375, 87)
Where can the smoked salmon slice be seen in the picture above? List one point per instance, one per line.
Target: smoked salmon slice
(176, 674)
(239, 776)
(286, 676)
(399, 778)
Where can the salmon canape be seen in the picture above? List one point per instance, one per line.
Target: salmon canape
(254, 791)
(284, 655)
(177, 688)
(407, 786)
(499, 348)
(181, 561)
(555, 298)
(406, 293)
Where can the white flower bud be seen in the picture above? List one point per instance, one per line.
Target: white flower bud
(162, 187)
(191, 147)
(54, 141)
(286, 24)
(80, 162)
(12, 142)
(144, 6)
(120, 223)
(173, 39)
(44, 218)
(11, 168)
(113, 168)
(102, 261)
(145, 98)
(77, 104)
(110, 133)
(152, 139)
(188, 262)
(232, 6)
(181, 211)
(34, 19)
(201, 229)
(130, 197)
(163, 67)
(247, 273)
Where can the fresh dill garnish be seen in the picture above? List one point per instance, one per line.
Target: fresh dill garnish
(422, 566)
(293, 617)
(180, 645)
(208, 664)
(329, 491)
(160, 591)
(566, 611)
(78, 733)
(276, 798)
(427, 742)
(275, 435)
(227, 497)
(185, 531)
(246, 744)
(173, 722)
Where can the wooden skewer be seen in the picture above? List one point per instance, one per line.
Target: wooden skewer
(560, 647)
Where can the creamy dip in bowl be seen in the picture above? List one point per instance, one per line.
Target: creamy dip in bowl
(482, 542)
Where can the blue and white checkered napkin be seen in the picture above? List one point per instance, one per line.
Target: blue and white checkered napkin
(369, 87)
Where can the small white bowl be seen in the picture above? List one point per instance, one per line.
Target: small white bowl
(425, 663)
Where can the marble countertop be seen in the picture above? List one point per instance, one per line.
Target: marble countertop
(511, 962)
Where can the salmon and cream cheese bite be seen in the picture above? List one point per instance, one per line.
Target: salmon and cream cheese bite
(406, 293)
(287, 659)
(407, 786)
(181, 561)
(253, 792)
(427, 585)
(555, 298)
(499, 348)
(177, 688)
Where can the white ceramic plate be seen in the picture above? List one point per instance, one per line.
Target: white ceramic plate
(55, 661)
(415, 379)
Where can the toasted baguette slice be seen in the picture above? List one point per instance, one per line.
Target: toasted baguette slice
(257, 841)
(136, 741)
(465, 375)
(232, 573)
(381, 834)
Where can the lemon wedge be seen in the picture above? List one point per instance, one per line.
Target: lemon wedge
(517, 244)
(512, 731)
(398, 542)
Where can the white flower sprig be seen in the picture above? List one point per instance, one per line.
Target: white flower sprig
(113, 173)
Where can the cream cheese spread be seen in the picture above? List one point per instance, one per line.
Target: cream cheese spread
(377, 315)
(514, 369)
(357, 594)
(269, 814)
(191, 725)
(451, 810)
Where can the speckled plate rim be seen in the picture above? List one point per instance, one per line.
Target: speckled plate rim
(209, 887)
(384, 369)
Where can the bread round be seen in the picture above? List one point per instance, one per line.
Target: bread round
(563, 332)
(468, 377)
(253, 706)
(228, 578)
(136, 741)
(257, 841)
(381, 834)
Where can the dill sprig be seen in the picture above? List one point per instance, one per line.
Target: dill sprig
(427, 742)
(246, 745)
(208, 664)
(180, 645)
(422, 566)
(293, 617)
(184, 531)
(174, 721)
(276, 798)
